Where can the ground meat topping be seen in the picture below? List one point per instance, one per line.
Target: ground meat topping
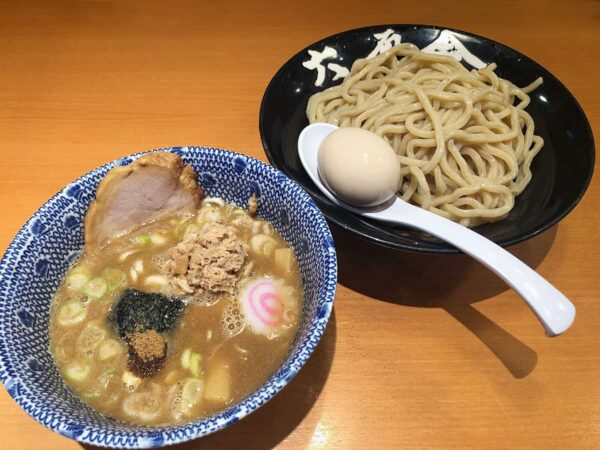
(207, 261)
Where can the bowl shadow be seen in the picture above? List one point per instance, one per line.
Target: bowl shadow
(282, 414)
(450, 282)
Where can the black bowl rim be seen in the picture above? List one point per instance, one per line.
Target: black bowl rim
(545, 73)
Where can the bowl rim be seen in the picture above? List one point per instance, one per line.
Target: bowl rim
(446, 248)
(144, 435)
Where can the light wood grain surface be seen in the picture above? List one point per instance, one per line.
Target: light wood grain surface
(421, 351)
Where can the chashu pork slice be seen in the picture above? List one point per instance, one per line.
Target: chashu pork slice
(155, 185)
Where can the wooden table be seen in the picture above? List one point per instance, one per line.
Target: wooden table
(422, 351)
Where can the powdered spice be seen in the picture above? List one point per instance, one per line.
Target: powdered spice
(147, 352)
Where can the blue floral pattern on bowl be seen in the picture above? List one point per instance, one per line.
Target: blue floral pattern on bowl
(43, 249)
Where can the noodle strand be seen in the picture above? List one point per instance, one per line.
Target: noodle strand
(464, 147)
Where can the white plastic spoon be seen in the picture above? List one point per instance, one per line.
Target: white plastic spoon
(552, 308)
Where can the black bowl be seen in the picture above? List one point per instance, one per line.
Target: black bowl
(561, 171)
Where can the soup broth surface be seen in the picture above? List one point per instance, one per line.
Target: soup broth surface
(224, 344)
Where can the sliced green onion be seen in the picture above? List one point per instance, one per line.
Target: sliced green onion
(90, 394)
(76, 281)
(71, 313)
(191, 394)
(77, 372)
(195, 360)
(96, 288)
(109, 349)
(144, 406)
(142, 240)
(89, 338)
(115, 278)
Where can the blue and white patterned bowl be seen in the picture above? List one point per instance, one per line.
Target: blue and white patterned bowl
(43, 249)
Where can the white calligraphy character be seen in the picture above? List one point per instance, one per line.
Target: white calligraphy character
(316, 62)
(448, 44)
(340, 71)
(385, 41)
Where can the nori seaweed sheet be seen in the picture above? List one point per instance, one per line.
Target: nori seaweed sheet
(143, 311)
